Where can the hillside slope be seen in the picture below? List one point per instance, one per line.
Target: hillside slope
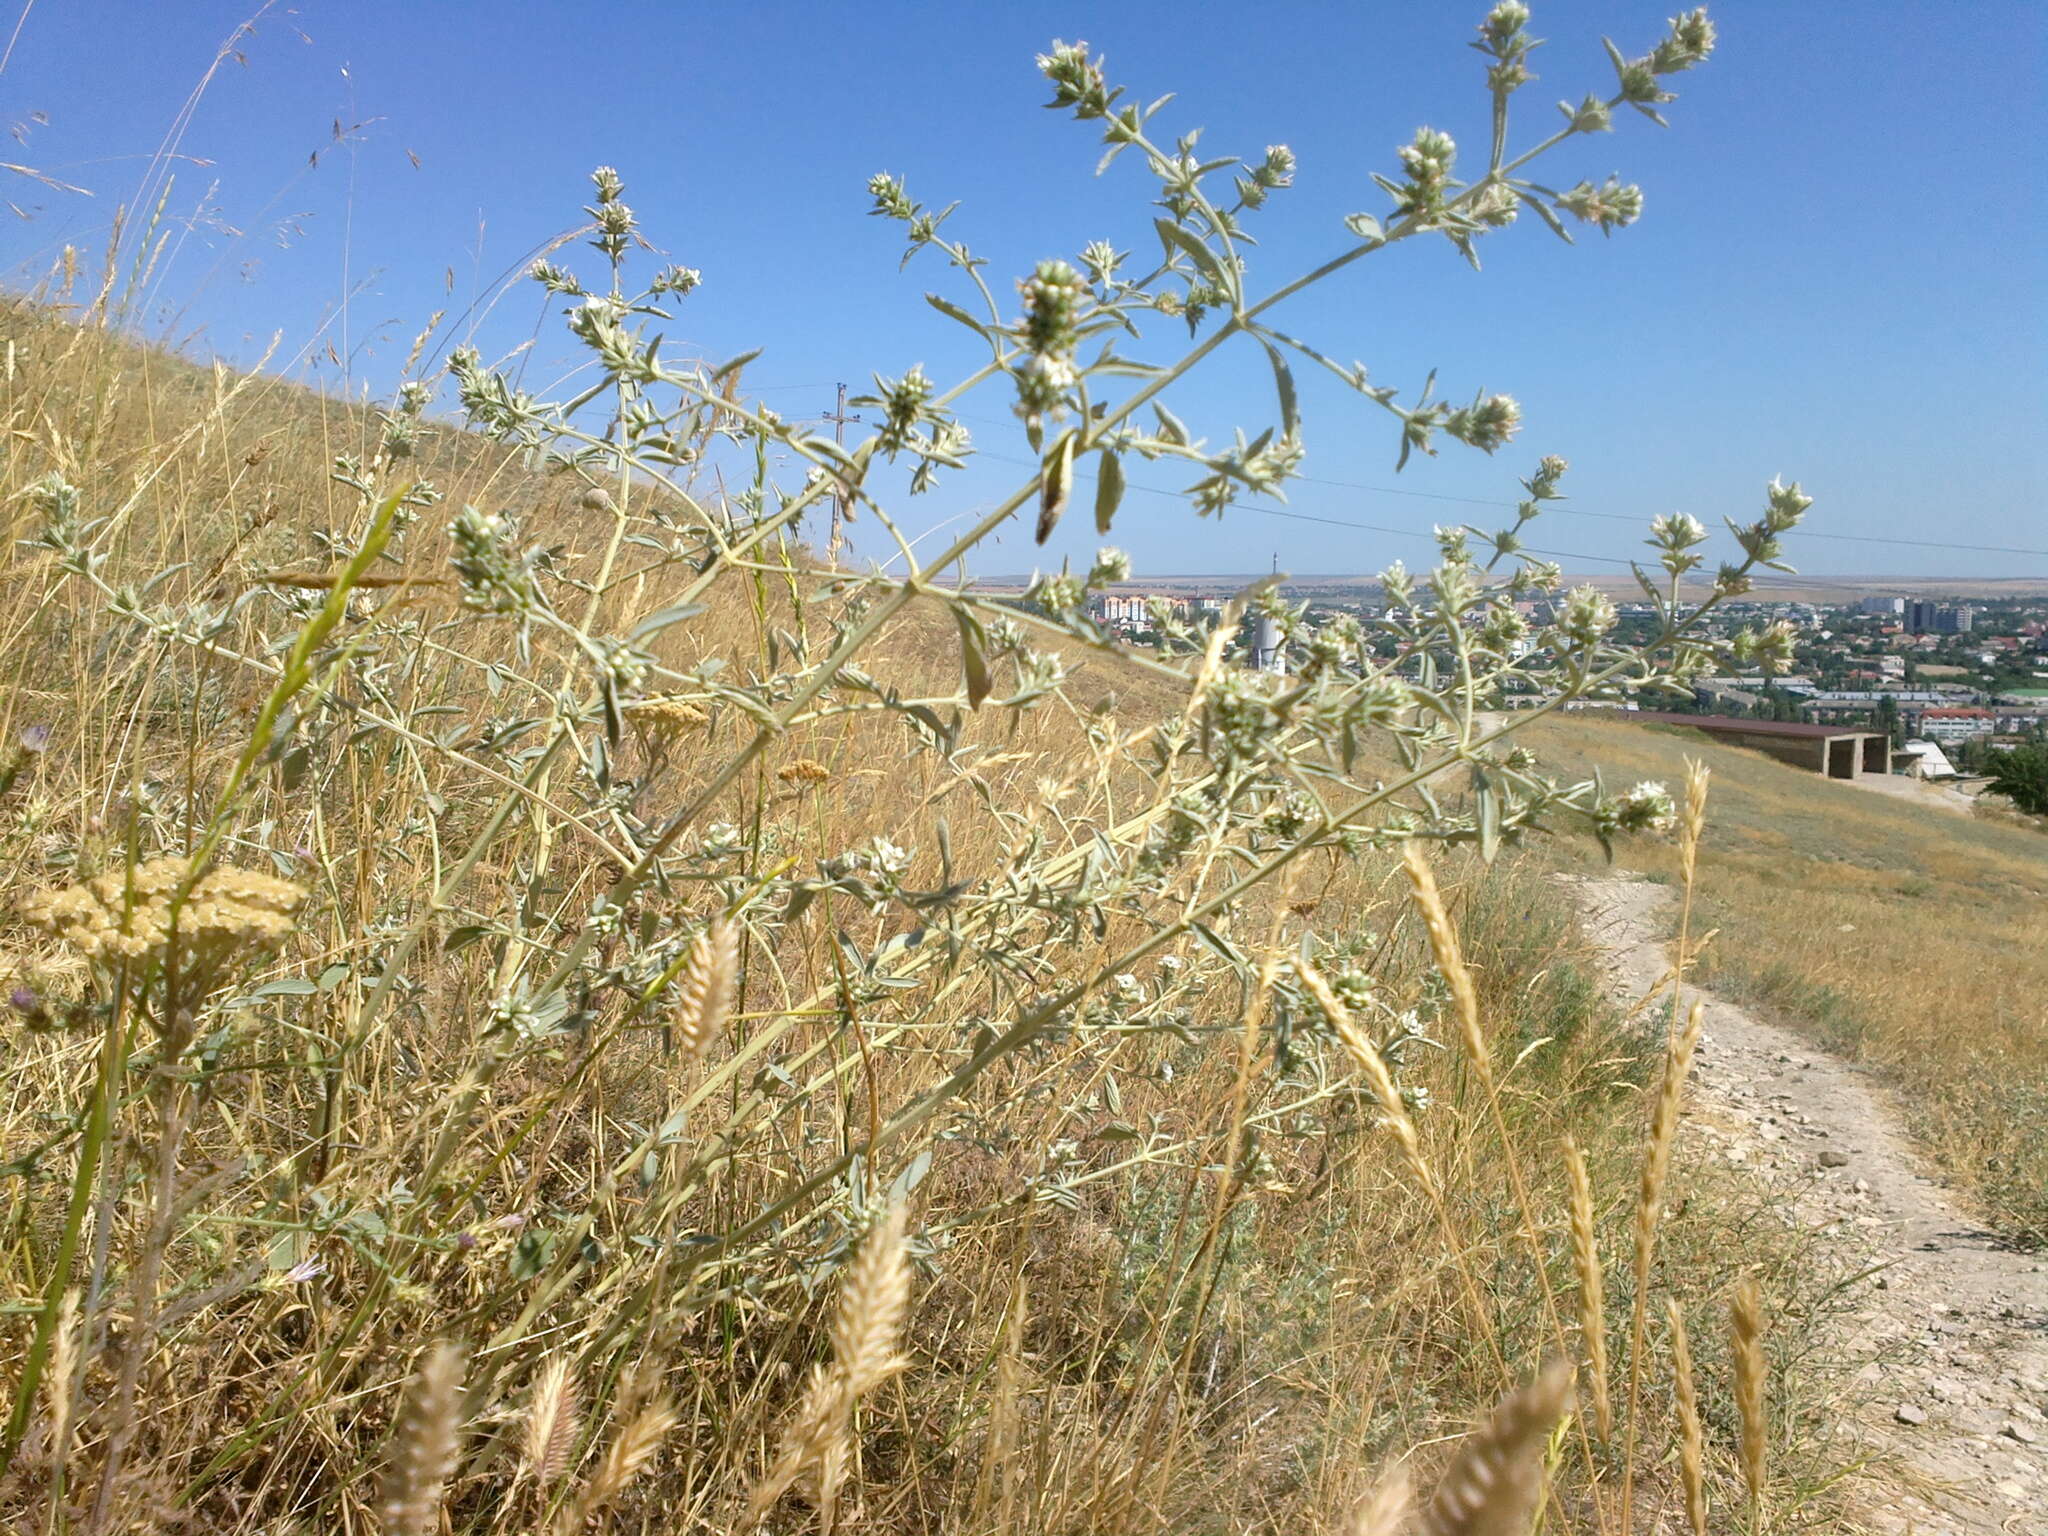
(1893, 933)
(1173, 1273)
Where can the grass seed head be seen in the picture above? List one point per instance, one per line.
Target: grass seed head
(1592, 1288)
(874, 1298)
(423, 1446)
(1443, 943)
(1691, 1439)
(553, 1421)
(705, 993)
(1746, 1326)
(1491, 1488)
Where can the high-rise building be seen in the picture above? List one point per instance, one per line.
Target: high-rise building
(1954, 621)
(1884, 607)
(1920, 616)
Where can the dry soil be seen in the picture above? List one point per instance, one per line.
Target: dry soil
(1953, 1402)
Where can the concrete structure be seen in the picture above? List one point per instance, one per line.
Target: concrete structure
(1824, 749)
(1268, 654)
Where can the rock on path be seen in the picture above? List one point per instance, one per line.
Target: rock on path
(1955, 1401)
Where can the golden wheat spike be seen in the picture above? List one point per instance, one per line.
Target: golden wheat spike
(1693, 821)
(1691, 1440)
(1492, 1487)
(1450, 960)
(1592, 1286)
(631, 1451)
(423, 1446)
(1663, 1133)
(1746, 1325)
(1385, 1510)
(1358, 1045)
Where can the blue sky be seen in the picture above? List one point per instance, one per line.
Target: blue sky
(1837, 278)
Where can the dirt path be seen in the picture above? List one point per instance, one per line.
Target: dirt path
(1955, 1324)
(1940, 797)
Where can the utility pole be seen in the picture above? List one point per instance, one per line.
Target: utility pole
(839, 419)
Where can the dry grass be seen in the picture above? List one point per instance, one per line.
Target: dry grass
(1899, 935)
(1163, 1281)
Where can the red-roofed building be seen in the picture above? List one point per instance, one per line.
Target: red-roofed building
(1952, 725)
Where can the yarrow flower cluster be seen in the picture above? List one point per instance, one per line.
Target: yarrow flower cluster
(1769, 649)
(903, 404)
(664, 718)
(127, 914)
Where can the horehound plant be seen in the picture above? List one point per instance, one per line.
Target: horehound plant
(616, 1031)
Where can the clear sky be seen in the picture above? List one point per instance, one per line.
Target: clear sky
(1838, 276)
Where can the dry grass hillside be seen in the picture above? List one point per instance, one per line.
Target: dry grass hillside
(1896, 934)
(1191, 1260)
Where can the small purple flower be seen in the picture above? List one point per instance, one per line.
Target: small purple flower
(24, 1000)
(465, 1241)
(305, 1270)
(36, 738)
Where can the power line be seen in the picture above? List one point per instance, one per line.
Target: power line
(1614, 517)
(1760, 579)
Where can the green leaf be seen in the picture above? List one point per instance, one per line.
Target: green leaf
(953, 311)
(291, 986)
(1055, 485)
(1170, 427)
(661, 619)
(1283, 380)
(1174, 238)
(530, 1255)
(1366, 227)
(973, 657)
(1488, 800)
(723, 369)
(1109, 489)
(913, 1174)
(1543, 209)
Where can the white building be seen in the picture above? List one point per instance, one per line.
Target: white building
(1928, 761)
(1949, 726)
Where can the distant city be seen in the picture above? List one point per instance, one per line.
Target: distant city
(1945, 680)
